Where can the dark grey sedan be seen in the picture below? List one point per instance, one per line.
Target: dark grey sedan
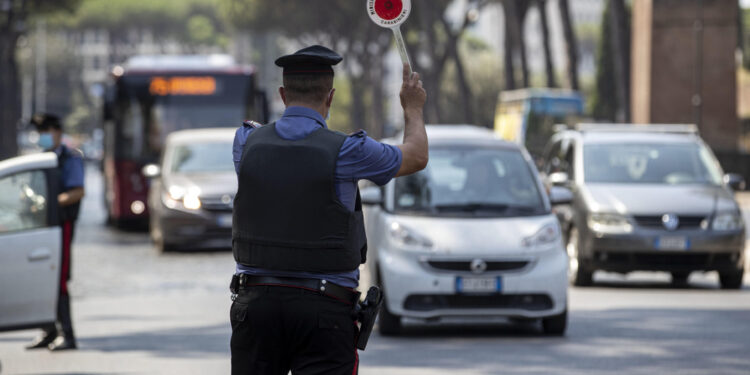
(191, 193)
(650, 198)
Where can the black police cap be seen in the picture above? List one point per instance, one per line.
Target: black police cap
(313, 60)
(46, 121)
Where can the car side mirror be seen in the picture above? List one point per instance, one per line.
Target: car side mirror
(151, 171)
(560, 195)
(371, 195)
(734, 181)
(558, 178)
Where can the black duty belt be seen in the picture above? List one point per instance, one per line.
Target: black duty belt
(324, 287)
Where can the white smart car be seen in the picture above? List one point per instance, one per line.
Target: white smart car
(472, 238)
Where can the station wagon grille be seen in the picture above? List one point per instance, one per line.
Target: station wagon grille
(686, 222)
(465, 265)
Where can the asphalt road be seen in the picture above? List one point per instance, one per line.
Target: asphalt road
(137, 312)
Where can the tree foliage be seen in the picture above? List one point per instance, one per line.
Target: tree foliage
(14, 18)
(339, 24)
(188, 21)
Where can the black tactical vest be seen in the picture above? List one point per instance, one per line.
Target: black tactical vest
(67, 213)
(286, 212)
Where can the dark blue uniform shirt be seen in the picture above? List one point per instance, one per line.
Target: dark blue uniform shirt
(360, 158)
(71, 170)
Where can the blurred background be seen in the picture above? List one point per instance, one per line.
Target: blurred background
(124, 74)
(59, 56)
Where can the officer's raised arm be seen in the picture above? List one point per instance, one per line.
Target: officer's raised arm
(414, 147)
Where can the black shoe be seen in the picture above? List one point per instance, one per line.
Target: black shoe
(42, 341)
(63, 343)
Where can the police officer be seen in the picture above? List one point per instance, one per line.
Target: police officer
(70, 165)
(298, 234)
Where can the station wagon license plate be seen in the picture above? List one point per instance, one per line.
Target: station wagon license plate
(479, 284)
(224, 221)
(672, 243)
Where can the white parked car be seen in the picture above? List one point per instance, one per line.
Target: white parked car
(472, 238)
(31, 241)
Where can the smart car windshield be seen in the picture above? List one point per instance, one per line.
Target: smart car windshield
(470, 181)
(202, 157)
(652, 163)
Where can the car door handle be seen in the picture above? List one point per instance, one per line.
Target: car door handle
(39, 254)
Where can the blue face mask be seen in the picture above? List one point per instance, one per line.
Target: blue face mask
(45, 141)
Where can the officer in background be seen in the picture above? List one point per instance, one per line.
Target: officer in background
(298, 233)
(70, 165)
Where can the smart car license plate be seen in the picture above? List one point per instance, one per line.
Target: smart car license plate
(672, 243)
(224, 221)
(479, 284)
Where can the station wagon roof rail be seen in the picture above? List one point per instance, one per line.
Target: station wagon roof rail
(638, 128)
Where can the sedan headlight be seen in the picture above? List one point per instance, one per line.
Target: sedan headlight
(405, 237)
(549, 233)
(727, 221)
(609, 223)
(190, 197)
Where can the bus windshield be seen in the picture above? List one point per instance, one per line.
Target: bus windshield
(144, 117)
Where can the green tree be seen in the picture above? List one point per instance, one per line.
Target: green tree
(14, 18)
(340, 24)
(193, 23)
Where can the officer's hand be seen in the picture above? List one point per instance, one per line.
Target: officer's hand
(412, 94)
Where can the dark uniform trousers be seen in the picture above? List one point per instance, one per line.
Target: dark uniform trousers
(276, 329)
(64, 325)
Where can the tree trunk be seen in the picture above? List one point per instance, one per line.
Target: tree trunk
(520, 41)
(571, 44)
(357, 115)
(510, 77)
(377, 116)
(10, 96)
(617, 24)
(548, 63)
(467, 98)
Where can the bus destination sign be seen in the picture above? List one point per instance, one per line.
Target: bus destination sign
(162, 86)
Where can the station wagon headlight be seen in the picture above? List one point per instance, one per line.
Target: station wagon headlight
(609, 223)
(405, 237)
(549, 233)
(727, 221)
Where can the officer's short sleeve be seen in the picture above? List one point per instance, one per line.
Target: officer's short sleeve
(363, 158)
(240, 138)
(72, 172)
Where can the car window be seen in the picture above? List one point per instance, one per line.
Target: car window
(23, 201)
(660, 163)
(464, 181)
(202, 157)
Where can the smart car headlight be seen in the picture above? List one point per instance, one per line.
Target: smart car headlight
(405, 237)
(609, 223)
(727, 221)
(549, 233)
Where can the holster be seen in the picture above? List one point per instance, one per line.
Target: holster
(365, 312)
